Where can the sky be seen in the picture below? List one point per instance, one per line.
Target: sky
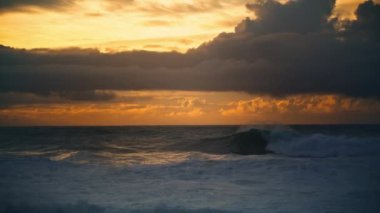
(171, 62)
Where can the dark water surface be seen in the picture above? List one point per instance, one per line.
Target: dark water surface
(317, 168)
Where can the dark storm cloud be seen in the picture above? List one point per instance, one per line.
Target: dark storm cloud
(92, 57)
(10, 5)
(8, 99)
(90, 95)
(367, 26)
(296, 16)
(290, 49)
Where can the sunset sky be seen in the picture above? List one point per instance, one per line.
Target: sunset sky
(153, 62)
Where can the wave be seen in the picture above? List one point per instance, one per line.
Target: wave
(287, 141)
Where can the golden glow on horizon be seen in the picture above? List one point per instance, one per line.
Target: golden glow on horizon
(193, 108)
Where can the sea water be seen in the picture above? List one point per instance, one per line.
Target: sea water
(316, 168)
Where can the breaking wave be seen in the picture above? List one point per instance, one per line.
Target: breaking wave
(290, 142)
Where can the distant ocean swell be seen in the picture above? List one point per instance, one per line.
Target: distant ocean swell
(169, 145)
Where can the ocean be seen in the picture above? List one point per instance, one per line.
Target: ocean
(308, 168)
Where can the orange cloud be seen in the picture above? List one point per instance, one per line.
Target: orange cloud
(128, 108)
(319, 104)
(177, 107)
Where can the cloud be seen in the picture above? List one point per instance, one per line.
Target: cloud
(19, 99)
(11, 5)
(157, 23)
(129, 107)
(303, 109)
(345, 9)
(9, 99)
(302, 104)
(367, 25)
(294, 16)
(290, 49)
(176, 7)
(91, 95)
(94, 14)
(168, 107)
